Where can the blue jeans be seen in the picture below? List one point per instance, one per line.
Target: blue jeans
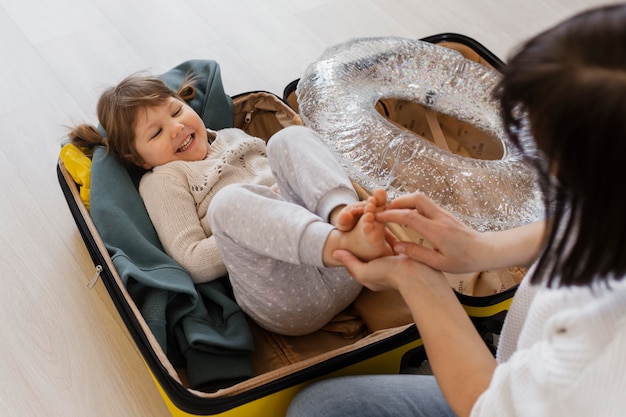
(372, 396)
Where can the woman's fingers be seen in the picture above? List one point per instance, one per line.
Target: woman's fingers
(376, 275)
(412, 219)
(452, 245)
(417, 201)
(400, 216)
(421, 254)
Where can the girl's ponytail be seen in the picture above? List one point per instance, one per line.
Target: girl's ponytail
(86, 135)
(187, 90)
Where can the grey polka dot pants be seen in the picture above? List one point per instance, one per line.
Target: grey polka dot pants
(272, 242)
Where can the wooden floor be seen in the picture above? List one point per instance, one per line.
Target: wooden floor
(63, 351)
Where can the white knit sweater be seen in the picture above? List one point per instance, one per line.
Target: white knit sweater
(562, 353)
(177, 196)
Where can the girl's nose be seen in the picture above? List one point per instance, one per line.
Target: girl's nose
(175, 129)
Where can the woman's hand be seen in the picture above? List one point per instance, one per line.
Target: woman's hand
(389, 272)
(454, 246)
(457, 354)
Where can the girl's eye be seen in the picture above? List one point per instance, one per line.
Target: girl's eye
(157, 133)
(177, 111)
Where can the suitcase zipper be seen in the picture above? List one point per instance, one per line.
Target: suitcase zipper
(247, 119)
(249, 116)
(95, 277)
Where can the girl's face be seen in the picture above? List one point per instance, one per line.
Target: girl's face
(171, 131)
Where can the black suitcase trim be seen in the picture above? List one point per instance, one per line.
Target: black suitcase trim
(115, 293)
(479, 48)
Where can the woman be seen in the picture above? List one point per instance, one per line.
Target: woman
(563, 347)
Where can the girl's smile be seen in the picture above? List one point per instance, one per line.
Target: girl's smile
(186, 144)
(171, 131)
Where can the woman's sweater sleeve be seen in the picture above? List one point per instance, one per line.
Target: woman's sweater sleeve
(172, 210)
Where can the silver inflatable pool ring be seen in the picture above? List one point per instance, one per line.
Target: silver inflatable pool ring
(337, 97)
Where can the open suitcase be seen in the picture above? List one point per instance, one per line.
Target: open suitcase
(374, 335)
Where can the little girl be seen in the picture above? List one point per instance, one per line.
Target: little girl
(222, 202)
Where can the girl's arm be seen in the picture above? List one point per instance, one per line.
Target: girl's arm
(172, 210)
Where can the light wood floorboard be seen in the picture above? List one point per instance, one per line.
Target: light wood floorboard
(63, 350)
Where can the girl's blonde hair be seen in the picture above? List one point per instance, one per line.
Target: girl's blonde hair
(117, 113)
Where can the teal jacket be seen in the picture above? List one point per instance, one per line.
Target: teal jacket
(199, 326)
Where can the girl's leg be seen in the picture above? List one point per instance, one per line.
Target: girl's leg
(307, 172)
(272, 250)
(309, 175)
(372, 396)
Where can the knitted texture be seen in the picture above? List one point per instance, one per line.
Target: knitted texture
(177, 196)
(569, 358)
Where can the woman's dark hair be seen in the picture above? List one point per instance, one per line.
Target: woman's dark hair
(569, 83)
(117, 113)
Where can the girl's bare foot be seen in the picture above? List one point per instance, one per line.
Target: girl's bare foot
(346, 217)
(367, 240)
(365, 237)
